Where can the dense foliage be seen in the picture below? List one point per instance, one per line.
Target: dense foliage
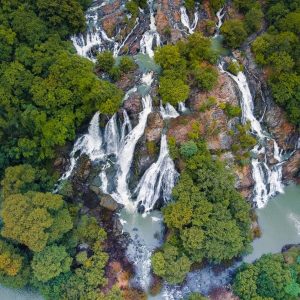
(42, 234)
(209, 219)
(278, 51)
(273, 276)
(184, 65)
(46, 90)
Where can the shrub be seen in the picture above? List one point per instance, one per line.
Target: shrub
(234, 68)
(188, 149)
(105, 61)
(127, 64)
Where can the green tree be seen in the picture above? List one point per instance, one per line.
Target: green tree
(234, 32)
(127, 64)
(24, 178)
(7, 39)
(188, 149)
(173, 91)
(67, 15)
(34, 219)
(105, 61)
(14, 268)
(205, 77)
(50, 262)
(170, 264)
(253, 20)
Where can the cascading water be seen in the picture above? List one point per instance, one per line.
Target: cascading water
(126, 153)
(168, 112)
(160, 178)
(267, 178)
(148, 38)
(220, 15)
(89, 144)
(182, 108)
(186, 21)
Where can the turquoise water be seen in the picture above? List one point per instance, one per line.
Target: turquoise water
(10, 294)
(280, 223)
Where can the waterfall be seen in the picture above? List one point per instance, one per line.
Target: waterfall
(181, 107)
(111, 136)
(160, 177)
(186, 21)
(220, 15)
(126, 153)
(147, 41)
(89, 144)
(168, 111)
(267, 178)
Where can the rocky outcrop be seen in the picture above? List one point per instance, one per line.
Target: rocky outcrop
(291, 169)
(155, 124)
(133, 104)
(213, 121)
(245, 181)
(109, 203)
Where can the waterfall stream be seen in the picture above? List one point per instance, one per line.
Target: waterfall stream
(114, 148)
(186, 21)
(267, 177)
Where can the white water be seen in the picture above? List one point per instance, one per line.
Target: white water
(267, 178)
(220, 15)
(89, 144)
(126, 153)
(181, 107)
(186, 21)
(168, 112)
(160, 178)
(151, 37)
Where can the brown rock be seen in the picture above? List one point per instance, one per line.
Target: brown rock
(222, 294)
(161, 21)
(285, 133)
(111, 7)
(291, 169)
(133, 104)
(244, 181)
(155, 124)
(109, 203)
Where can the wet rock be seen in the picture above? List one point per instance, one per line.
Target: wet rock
(133, 104)
(141, 208)
(109, 203)
(96, 190)
(291, 169)
(155, 124)
(83, 169)
(117, 226)
(222, 294)
(126, 82)
(90, 199)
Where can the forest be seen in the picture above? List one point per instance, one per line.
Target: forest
(48, 94)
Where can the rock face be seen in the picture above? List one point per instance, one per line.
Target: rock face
(214, 123)
(245, 182)
(155, 124)
(291, 169)
(133, 104)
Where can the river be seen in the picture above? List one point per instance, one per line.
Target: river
(279, 221)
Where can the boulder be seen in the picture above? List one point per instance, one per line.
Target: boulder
(291, 169)
(109, 203)
(133, 104)
(155, 124)
(83, 169)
